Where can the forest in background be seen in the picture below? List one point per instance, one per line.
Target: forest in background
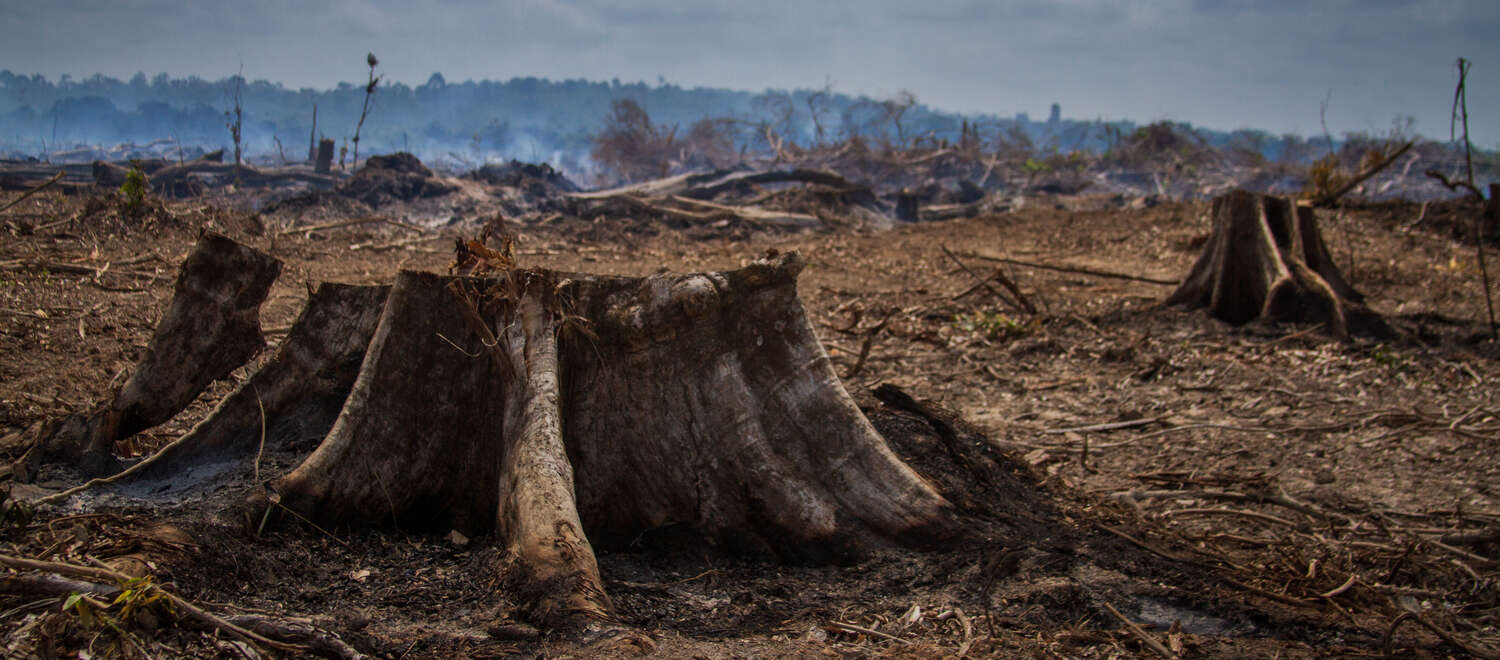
(464, 125)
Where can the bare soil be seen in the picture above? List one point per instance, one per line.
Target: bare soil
(1269, 491)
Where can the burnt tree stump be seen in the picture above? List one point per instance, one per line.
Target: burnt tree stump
(1265, 260)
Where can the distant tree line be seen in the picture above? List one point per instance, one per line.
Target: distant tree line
(538, 120)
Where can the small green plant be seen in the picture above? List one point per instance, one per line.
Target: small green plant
(1034, 166)
(1387, 357)
(135, 189)
(995, 325)
(134, 604)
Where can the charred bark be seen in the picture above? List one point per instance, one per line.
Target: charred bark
(1265, 260)
(211, 327)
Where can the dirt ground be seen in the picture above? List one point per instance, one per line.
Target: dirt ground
(1263, 491)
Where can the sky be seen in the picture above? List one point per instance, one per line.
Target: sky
(1221, 64)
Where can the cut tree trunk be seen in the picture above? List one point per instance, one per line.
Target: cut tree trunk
(211, 327)
(561, 412)
(553, 412)
(1266, 261)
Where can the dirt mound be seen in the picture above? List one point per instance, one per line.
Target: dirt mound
(384, 180)
(397, 177)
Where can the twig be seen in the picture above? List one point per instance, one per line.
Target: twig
(849, 627)
(1140, 633)
(259, 452)
(1341, 588)
(1231, 512)
(1455, 184)
(102, 572)
(85, 572)
(376, 247)
(347, 223)
(1390, 634)
(1461, 105)
(1232, 497)
(1021, 300)
(55, 178)
(963, 620)
(1071, 269)
(864, 346)
(1105, 427)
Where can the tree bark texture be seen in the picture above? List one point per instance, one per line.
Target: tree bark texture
(211, 327)
(553, 412)
(558, 412)
(294, 398)
(1265, 260)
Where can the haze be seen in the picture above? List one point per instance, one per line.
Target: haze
(1217, 64)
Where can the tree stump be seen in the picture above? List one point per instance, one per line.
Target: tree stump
(558, 412)
(1265, 260)
(211, 327)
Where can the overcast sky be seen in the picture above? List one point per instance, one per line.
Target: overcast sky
(1218, 63)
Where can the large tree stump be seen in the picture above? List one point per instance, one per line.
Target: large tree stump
(1266, 261)
(558, 412)
(211, 327)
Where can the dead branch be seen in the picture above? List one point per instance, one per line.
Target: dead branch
(1111, 426)
(52, 585)
(36, 189)
(298, 632)
(1455, 185)
(1140, 633)
(840, 626)
(1390, 633)
(1372, 170)
(347, 223)
(1021, 303)
(1069, 269)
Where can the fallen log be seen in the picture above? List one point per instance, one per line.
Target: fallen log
(711, 184)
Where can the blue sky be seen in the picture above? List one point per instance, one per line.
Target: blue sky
(1219, 63)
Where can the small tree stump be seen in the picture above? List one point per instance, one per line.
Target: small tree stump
(1266, 261)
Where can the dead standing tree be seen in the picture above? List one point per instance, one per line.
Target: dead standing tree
(364, 110)
(533, 405)
(1265, 260)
